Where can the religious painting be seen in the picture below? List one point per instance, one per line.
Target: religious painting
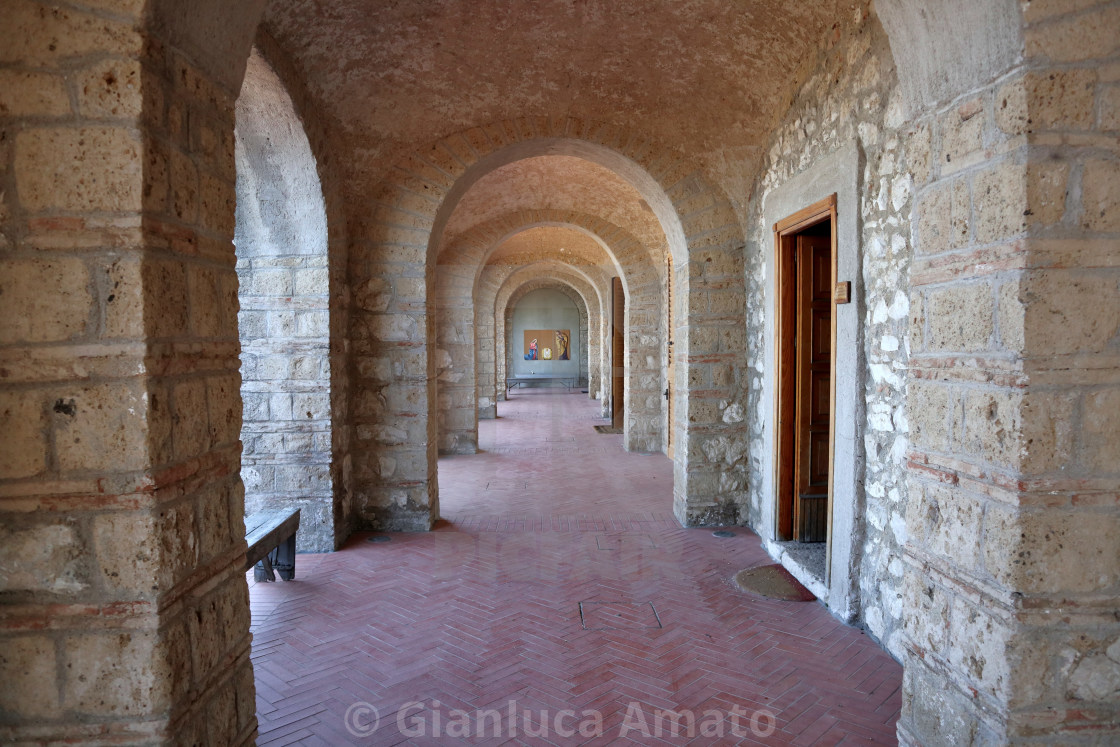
(548, 345)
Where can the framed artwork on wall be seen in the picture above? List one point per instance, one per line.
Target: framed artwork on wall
(547, 345)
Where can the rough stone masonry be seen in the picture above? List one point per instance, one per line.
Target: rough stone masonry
(226, 232)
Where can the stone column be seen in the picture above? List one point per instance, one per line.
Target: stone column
(456, 369)
(393, 368)
(126, 615)
(711, 434)
(1014, 525)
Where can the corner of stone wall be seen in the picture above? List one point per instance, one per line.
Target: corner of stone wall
(126, 610)
(1013, 521)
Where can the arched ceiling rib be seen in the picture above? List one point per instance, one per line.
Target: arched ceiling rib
(548, 242)
(558, 183)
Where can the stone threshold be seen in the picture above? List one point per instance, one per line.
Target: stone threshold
(806, 561)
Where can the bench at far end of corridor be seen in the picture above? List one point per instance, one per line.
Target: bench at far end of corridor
(531, 380)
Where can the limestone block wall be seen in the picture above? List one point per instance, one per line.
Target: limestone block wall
(284, 318)
(125, 614)
(393, 441)
(1013, 558)
(327, 169)
(327, 161)
(851, 97)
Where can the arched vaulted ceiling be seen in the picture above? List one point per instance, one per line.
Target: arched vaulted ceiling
(558, 183)
(699, 76)
(545, 242)
(703, 79)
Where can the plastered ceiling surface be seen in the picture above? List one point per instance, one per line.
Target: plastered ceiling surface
(703, 79)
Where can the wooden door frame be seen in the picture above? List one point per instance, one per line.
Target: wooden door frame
(785, 375)
(670, 371)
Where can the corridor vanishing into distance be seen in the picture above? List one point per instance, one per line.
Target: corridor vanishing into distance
(557, 584)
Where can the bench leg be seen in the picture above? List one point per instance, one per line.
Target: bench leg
(263, 570)
(281, 560)
(285, 558)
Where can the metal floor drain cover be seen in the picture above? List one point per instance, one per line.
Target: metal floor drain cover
(619, 616)
(381, 538)
(723, 533)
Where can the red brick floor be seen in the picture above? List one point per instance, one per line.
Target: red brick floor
(558, 581)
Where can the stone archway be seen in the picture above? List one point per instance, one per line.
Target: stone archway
(283, 321)
(461, 324)
(496, 285)
(517, 293)
(514, 289)
(700, 223)
(456, 324)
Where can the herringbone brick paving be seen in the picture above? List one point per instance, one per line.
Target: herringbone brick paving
(552, 519)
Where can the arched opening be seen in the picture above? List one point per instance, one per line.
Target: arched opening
(283, 323)
(498, 287)
(483, 239)
(545, 330)
(478, 264)
(396, 482)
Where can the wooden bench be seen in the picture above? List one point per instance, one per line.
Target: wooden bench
(271, 536)
(516, 382)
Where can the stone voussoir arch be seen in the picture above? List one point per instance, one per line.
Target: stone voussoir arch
(394, 467)
(541, 283)
(455, 288)
(507, 283)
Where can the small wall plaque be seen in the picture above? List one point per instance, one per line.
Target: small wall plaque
(843, 292)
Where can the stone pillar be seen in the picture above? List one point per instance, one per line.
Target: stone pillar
(126, 615)
(456, 371)
(1013, 559)
(393, 368)
(486, 388)
(645, 422)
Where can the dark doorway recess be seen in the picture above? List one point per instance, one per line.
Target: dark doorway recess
(618, 349)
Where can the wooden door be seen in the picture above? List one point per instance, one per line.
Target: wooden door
(805, 276)
(618, 368)
(813, 385)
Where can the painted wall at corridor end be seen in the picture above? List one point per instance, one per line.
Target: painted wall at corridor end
(545, 309)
